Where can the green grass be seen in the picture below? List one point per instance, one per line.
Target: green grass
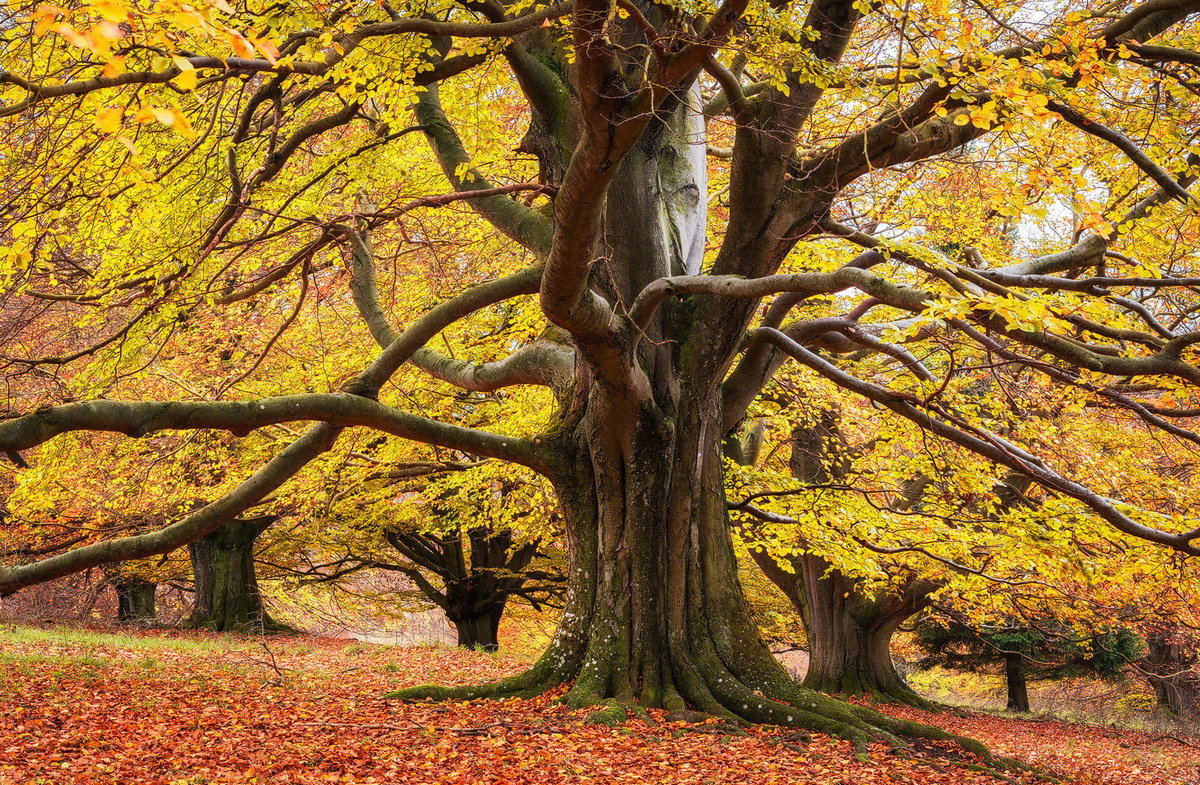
(1129, 706)
(65, 636)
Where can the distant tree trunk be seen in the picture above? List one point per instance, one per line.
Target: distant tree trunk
(1173, 689)
(849, 632)
(227, 596)
(1018, 689)
(135, 601)
(475, 630)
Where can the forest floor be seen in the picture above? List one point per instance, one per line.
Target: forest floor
(168, 708)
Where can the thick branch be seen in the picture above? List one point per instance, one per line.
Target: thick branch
(527, 226)
(242, 417)
(1125, 145)
(204, 521)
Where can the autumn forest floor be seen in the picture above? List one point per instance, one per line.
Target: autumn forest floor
(166, 707)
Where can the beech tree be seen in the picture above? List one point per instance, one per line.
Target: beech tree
(255, 143)
(470, 573)
(849, 614)
(1027, 652)
(136, 597)
(848, 626)
(227, 596)
(1170, 667)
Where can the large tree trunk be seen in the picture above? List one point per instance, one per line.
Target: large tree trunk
(849, 632)
(655, 617)
(478, 630)
(136, 601)
(227, 597)
(1018, 689)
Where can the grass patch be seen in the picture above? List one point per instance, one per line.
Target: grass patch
(65, 636)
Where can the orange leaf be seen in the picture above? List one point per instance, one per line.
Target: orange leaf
(108, 119)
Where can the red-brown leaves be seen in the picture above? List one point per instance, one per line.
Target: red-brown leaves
(151, 711)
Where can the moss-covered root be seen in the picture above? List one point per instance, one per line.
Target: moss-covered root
(529, 684)
(612, 712)
(915, 730)
(905, 697)
(859, 688)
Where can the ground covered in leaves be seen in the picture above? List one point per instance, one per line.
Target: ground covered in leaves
(165, 708)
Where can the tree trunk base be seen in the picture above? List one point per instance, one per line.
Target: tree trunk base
(779, 702)
(136, 602)
(863, 688)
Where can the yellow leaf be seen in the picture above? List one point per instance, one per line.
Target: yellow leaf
(110, 10)
(961, 119)
(269, 50)
(186, 80)
(187, 73)
(47, 15)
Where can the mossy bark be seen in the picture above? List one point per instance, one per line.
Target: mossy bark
(849, 631)
(227, 597)
(1170, 672)
(655, 617)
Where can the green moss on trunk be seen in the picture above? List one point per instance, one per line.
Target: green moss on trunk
(227, 598)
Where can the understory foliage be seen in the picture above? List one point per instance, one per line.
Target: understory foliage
(602, 261)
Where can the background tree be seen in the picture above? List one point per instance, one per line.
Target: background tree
(1170, 665)
(1027, 652)
(848, 626)
(227, 596)
(467, 540)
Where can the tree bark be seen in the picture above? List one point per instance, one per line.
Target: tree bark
(655, 616)
(1018, 689)
(849, 632)
(1168, 664)
(227, 598)
(480, 631)
(474, 595)
(136, 601)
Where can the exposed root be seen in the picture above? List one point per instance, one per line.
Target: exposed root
(614, 713)
(528, 684)
(780, 702)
